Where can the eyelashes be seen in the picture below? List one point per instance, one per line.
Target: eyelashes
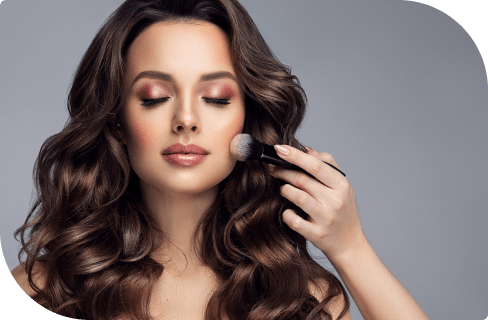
(152, 102)
(220, 101)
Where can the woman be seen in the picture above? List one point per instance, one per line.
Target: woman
(143, 212)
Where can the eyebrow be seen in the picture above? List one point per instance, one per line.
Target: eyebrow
(167, 77)
(217, 75)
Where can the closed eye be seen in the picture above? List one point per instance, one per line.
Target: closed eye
(152, 102)
(219, 101)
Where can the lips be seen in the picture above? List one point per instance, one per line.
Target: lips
(180, 148)
(181, 155)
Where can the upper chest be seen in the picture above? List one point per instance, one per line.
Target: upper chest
(182, 298)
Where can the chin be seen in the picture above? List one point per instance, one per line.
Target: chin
(189, 182)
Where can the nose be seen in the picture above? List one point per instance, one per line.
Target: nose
(186, 119)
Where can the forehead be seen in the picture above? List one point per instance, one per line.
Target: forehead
(183, 49)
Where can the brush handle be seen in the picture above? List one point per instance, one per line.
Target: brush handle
(269, 155)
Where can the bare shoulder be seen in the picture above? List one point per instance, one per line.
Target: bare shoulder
(38, 276)
(335, 306)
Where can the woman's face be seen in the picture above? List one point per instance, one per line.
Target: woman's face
(181, 90)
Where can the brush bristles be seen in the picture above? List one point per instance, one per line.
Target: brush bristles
(244, 147)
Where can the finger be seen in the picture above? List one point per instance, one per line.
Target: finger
(271, 167)
(324, 156)
(297, 223)
(313, 165)
(310, 150)
(303, 181)
(324, 195)
(307, 229)
(304, 201)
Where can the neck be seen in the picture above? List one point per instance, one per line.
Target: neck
(178, 216)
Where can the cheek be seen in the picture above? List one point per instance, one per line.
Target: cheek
(235, 127)
(224, 130)
(141, 134)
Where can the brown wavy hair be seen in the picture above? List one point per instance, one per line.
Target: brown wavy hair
(88, 225)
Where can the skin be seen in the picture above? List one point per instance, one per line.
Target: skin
(334, 227)
(177, 196)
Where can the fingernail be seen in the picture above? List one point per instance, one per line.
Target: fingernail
(272, 168)
(311, 151)
(282, 150)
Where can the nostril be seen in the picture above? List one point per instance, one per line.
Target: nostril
(184, 128)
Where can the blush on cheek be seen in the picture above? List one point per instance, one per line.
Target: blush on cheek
(235, 129)
(141, 133)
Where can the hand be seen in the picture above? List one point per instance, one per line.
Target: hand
(333, 225)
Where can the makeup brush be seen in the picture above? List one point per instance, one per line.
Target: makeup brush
(244, 148)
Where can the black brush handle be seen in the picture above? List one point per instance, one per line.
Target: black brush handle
(270, 156)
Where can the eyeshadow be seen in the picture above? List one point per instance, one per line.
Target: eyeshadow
(219, 90)
(227, 91)
(152, 91)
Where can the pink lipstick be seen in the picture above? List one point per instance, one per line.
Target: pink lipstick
(186, 156)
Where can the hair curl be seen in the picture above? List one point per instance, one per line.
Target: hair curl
(90, 229)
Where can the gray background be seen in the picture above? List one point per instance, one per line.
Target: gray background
(397, 94)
